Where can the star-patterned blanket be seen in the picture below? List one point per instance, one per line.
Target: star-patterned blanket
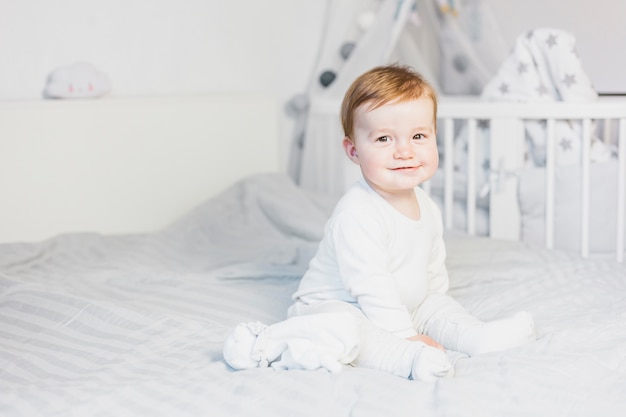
(545, 67)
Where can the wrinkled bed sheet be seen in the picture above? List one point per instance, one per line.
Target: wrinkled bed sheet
(95, 325)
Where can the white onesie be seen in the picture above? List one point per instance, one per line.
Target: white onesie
(376, 261)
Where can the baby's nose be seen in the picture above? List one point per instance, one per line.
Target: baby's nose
(403, 150)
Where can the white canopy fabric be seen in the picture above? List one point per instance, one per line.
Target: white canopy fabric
(456, 45)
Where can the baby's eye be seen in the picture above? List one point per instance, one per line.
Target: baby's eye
(419, 136)
(383, 139)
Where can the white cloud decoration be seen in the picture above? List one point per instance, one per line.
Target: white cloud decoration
(79, 80)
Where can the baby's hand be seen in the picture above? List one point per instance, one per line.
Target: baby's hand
(427, 340)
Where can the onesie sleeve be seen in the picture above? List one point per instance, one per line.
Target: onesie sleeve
(437, 271)
(362, 259)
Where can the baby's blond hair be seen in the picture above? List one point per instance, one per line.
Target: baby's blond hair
(382, 85)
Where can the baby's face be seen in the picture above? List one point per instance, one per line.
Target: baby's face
(395, 145)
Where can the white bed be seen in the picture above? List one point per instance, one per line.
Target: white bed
(129, 320)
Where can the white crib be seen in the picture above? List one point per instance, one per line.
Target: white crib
(506, 153)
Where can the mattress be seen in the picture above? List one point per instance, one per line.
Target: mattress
(133, 325)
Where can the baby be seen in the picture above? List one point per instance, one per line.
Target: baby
(375, 293)
(383, 255)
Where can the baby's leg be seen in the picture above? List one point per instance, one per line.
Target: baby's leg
(384, 351)
(408, 359)
(446, 321)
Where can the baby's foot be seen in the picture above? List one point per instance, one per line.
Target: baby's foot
(430, 363)
(498, 335)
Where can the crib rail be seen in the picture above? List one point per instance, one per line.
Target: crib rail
(507, 158)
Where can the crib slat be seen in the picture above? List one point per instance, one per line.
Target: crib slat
(448, 196)
(506, 155)
(621, 191)
(550, 175)
(471, 176)
(606, 137)
(586, 167)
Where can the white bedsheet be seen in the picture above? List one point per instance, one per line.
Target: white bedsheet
(133, 325)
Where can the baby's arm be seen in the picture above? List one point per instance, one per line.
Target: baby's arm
(438, 281)
(363, 264)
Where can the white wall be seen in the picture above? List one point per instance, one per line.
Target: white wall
(156, 47)
(149, 47)
(160, 46)
(190, 46)
(599, 27)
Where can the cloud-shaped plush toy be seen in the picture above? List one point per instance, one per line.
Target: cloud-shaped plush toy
(79, 80)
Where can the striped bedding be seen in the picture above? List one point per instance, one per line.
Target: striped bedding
(133, 325)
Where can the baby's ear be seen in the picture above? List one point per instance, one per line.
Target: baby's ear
(350, 149)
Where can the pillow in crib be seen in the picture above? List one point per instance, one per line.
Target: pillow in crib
(79, 80)
(567, 207)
